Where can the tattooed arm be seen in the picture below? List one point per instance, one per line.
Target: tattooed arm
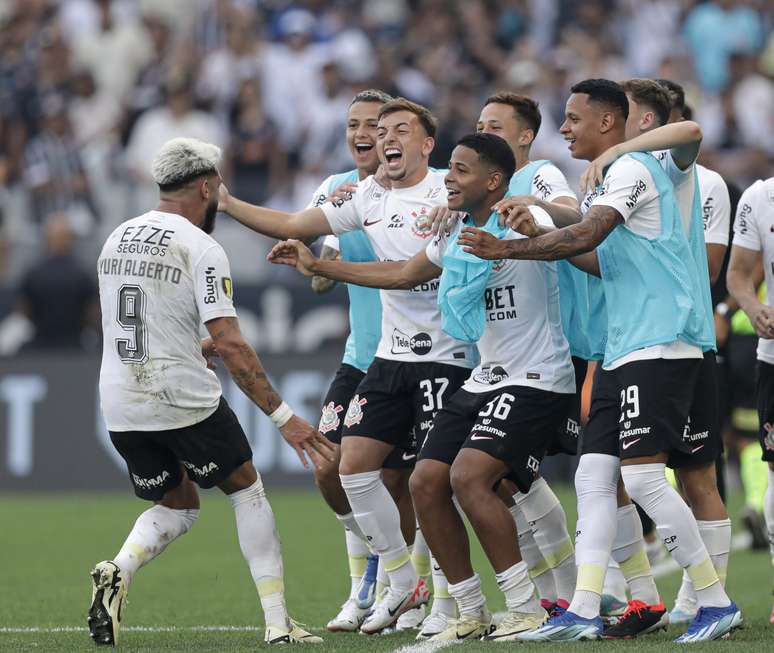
(570, 241)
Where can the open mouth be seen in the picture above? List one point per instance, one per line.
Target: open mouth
(393, 156)
(570, 142)
(452, 195)
(363, 148)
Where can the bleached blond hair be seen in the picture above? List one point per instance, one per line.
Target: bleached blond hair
(181, 159)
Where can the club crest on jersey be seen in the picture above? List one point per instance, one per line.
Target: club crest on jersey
(420, 344)
(499, 265)
(355, 411)
(329, 420)
(422, 226)
(228, 287)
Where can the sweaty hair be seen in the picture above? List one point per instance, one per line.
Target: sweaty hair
(181, 160)
(426, 119)
(675, 91)
(604, 91)
(492, 149)
(652, 95)
(371, 95)
(525, 108)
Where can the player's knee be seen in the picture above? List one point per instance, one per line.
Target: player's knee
(645, 484)
(428, 484)
(466, 483)
(327, 474)
(597, 473)
(699, 485)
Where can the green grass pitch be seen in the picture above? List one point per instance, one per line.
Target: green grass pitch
(49, 543)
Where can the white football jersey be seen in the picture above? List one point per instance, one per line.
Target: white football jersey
(160, 278)
(523, 342)
(396, 222)
(754, 229)
(715, 206)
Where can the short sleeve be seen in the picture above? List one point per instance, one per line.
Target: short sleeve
(332, 242)
(628, 186)
(320, 195)
(541, 216)
(213, 285)
(746, 223)
(343, 215)
(436, 248)
(549, 184)
(716, 211)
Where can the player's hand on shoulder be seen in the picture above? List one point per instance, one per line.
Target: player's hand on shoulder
(443, 219)
(224, 196)
(295, 254)
(342, 194)
(209, 352)
(307, 441)
(521, 220)
(594, 175)
(505, 206)
(482, 244)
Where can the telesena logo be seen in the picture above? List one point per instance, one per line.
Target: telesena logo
(420, 344)
(639, 188)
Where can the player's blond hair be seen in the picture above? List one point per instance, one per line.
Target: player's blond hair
(182, 159)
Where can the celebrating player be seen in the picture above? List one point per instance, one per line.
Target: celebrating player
(160, 277)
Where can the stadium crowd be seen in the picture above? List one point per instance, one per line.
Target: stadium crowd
(91, 88)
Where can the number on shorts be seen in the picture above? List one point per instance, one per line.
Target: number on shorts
(433, 399)
(131, 318)
(630, 396)
(499, 407)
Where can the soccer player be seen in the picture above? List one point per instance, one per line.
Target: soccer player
(754, 243)
(651, 363)
(416, 365)
(541, 522)
(365, 313)
(501, 422)
(161, 275)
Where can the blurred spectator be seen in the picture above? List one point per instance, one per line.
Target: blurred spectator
(54, 173)
(57, 294)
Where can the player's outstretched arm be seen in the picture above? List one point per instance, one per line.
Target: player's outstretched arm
(245, 368)
(306, 224)
(390, 275)
(579, 238)
(743, 272)
(563, 211)
(683, 139)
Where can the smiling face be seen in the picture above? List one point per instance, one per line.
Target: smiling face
(362, 121)
(403, 146)
(581, 126)
(503, 121)
(470, 180)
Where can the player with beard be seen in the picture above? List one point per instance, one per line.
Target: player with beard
(160, 277)
(649, 109)
(499, 424)
(643, 394)
(365, 313)
(416, 365)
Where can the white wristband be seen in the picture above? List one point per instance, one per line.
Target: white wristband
(282, 415)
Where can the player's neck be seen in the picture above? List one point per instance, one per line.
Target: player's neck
(605, 142)
(522, 157)
(480, 214)
(413, 180)
(182, 209)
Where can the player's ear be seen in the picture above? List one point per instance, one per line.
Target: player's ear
(526, 137)
(495, 180)
(427, 146)
(606, 121)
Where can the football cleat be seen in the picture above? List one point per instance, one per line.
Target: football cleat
(638, 619)
(515, 623)
(411, 619)
(547, 605)
(560, 607)
(611, 606)
(291, 633)
(436, 622)
(712, 623)
(366, 592)
(392, 604)
(108, 594)
(466, 627)
(564, 628)
(349, 618)
(682, 614)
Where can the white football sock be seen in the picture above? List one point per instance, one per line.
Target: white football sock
(546, 516)
(261, 549)
(152, 532)
(676, 525)
(538, 568)
(615, 583)
(467, 593)
(357, 553)
(420, 556)
(716, 536)
(349, 522)
(686, 596)
(382, 580)
(768, 512)
(596, 482)
(377, 515)
(629, 553)
(518, 589)
(443, 603)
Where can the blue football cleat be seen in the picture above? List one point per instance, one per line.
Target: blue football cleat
(565, 627)
(366, 593)
(712, 623)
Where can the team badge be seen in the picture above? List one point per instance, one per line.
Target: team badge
(422, 226)
(355, 411)
(499, 265)
(228, 287)
(329, 420)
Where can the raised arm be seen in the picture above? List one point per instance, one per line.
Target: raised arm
(390, 275)
(308, 223)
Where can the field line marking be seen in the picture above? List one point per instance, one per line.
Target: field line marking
(423, 647)
(137, 629)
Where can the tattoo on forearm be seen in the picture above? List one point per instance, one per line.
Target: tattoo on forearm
(569, 241)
